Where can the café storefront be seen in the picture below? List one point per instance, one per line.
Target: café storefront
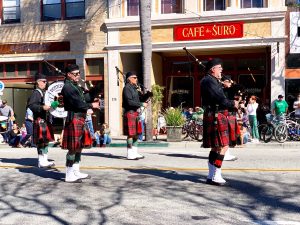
(253, 55)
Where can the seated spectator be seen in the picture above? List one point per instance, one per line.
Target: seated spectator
(15, 137)
(23, 131)
(103, 136)
(198, 114)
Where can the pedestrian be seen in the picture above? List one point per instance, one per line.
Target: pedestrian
(7, 111)
(280, 106)
(27, 140)
(15, 137)
(103, 136)
(296, 107)
(215, 122)
(132, 101)
(89, 122)
(76, 135)
(251, 110)
(42, 132)
(142, 117)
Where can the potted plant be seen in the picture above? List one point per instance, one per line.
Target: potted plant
(175, 121)
(156, 103)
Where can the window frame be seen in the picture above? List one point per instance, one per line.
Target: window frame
(264, 4)
(17, 20)
(63, 10)
(128, 8)
(204, 6)
(180, 11)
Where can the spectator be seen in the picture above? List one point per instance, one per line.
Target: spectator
(142, 117)
(23, 130)
(280, 106)
(103, 136)
(6, 110)
(189, 113)
(251, 109)
(89, 122)
(27, 140)
(15, 136)
(296, 107)
(198, 114)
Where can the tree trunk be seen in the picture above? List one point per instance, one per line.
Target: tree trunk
(146, 44)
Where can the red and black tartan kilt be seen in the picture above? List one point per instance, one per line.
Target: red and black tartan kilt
(215, 130)
(234, 130)
(132, 125)
(76, 134)
(42, 132)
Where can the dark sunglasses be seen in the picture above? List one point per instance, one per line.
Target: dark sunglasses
(76, 74)
(134, 77)
(44, 81)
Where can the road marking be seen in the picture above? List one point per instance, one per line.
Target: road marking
(160, 168)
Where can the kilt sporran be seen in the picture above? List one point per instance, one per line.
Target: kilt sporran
(42, 132)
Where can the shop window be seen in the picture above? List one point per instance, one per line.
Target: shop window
(11, 11)
(10, 70)
(95, 66)
(212, 5)
(298, 31)
(252, 63)
(172, 6)
(132, 7)
(22, 69)
(253, 83)
(182, 68)
(33, 68)
(253, 3)
(228, 64)
(180, 91)
(1, 70)
(63, 9)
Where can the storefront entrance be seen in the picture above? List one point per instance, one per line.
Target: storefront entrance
(182, 77)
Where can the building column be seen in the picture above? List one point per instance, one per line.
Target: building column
(114, 107)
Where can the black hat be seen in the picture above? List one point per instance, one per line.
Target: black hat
(129, 74)
(212, 62)
(280, 96)
(71, 67)
(226, 77)
(40, 76)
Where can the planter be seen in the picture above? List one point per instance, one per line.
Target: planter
(174, 133)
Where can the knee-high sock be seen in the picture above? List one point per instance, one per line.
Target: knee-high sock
(70, 160)
(129, 142)
(212, 157)
(77, 157)
(219, 161)
(42, 149)
(135, 141)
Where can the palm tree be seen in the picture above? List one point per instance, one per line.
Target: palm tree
(146, 44)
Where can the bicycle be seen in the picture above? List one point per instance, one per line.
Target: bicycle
(268, 131)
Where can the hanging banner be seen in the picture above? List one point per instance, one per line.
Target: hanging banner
(191, 32)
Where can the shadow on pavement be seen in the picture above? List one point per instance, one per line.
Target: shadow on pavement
(41, 172)
(185, 156)
(103, 155)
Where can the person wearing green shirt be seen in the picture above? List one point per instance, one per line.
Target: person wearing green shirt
(280, 106)
(198, 114)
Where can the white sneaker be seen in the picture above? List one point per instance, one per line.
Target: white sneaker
(71, 177)
(78, 173)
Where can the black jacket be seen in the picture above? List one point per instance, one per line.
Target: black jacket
(131, 98)
(212, 94)
(35, 102)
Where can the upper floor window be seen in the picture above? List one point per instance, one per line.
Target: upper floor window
(253, 3)
(171, 6)
(132, 7)
(212, 5)
(63, 9)
(11, 11)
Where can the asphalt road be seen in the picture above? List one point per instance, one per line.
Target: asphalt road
(167, 187)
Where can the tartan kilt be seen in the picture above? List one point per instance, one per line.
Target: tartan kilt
(215, 129)
(42, 132)
(132, 124)
(234, 130)
(76, 134)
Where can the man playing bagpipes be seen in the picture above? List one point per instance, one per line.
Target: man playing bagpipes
(76, 135)
(215, 121)
(133, 99)
(42, 131)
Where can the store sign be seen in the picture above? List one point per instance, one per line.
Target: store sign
(208, 31)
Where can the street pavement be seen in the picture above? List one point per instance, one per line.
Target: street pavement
(167, 187)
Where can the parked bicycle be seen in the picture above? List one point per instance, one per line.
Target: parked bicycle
(193, 129)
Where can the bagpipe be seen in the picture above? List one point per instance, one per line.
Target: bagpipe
(54, 98)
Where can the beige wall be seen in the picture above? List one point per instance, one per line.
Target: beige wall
(165, 34)
(84, 35)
